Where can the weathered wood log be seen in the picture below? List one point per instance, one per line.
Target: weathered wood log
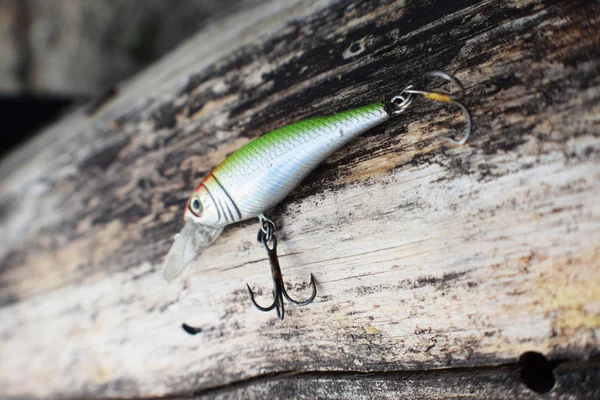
(426, 256)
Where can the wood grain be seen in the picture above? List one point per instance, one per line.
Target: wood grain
(425, 256)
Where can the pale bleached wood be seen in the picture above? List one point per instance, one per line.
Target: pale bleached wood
(425, 256)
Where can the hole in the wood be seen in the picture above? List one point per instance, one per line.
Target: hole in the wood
(536, 372)
(191, 329)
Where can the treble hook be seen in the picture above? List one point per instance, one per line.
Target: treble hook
(401, 102)
(266, 235)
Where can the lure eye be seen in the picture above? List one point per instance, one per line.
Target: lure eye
(196, 206)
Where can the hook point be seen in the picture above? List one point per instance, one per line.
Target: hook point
(468, 128)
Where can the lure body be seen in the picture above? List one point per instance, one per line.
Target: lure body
(258, 176)
(261, 174)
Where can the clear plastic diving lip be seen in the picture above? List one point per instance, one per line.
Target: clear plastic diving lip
(188, 244)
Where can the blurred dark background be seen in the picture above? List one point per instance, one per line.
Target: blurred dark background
(54, 53)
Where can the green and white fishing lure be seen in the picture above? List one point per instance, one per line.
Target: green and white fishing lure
(261, 174)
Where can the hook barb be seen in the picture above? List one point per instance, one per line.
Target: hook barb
(261, 308)
(467, 129)
(305, 302)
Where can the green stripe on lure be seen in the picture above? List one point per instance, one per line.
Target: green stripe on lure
(258, 176)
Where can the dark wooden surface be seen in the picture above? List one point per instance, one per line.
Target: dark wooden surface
(426, 257)
(579, 381)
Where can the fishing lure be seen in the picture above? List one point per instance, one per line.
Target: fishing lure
(258, 176)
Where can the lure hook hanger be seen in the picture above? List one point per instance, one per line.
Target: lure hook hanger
(266, 235)
(401, 102)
